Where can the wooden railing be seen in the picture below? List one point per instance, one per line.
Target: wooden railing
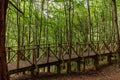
(37, 52)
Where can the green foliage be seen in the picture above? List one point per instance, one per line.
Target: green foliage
(58, 21)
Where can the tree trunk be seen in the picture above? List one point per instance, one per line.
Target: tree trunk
(3, 63)
(115, 21)
(89, 20)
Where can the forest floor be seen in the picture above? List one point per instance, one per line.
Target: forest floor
(107, 73)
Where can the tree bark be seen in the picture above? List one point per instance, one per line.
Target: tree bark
(89, 20)
(115, 21)
(3, 63)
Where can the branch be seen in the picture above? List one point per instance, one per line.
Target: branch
(16, 7)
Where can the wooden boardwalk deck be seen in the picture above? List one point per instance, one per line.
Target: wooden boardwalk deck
(41, 56)
(24, 65)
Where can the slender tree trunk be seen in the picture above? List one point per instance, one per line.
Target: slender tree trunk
(89, 20)
(3, 63)
(115, 21)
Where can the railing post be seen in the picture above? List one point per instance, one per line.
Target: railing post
(18, 58)
(84, 64)
(77, 48)
(79, 59)
(37, 56)
(23, 56)
(96, 61)
(69, 62)
(60, 51)
(34, 57)
(48, 55)
(34, 64)
(59, 62)
(98, 50)
(8, 53)
(38, 50)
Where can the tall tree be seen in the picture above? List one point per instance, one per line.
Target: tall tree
(115, 18)
(3, 63)
(89, 18)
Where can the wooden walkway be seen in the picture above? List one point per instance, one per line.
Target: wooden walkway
(31, 64)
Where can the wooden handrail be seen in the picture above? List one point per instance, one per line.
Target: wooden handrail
(77, 49)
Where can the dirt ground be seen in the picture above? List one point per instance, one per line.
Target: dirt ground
(106, 73)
